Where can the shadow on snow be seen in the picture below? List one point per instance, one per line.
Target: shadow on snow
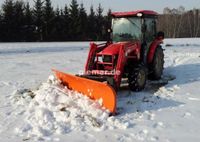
(130, 102)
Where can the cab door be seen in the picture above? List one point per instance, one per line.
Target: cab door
(150, 32)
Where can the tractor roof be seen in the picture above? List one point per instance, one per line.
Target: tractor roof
(134, 13)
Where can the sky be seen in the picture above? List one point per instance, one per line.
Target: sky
(128, 5)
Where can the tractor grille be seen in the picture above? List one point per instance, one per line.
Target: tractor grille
(107, 58)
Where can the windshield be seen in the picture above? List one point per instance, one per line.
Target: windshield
(126, 29)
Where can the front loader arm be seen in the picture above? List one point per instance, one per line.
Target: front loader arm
(94, 49)
(120, 66)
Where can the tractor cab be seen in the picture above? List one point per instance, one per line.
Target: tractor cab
(134, 26)
(138, 27)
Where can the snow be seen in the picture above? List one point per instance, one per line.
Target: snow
(34, 106)
(55, 109)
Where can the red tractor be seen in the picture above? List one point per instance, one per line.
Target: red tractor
(133, 53)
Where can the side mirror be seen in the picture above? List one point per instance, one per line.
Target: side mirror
(108, 35)
(160, 35)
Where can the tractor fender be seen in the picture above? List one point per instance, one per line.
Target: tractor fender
(152, 50)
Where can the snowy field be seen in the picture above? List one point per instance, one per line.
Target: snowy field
(33, 106)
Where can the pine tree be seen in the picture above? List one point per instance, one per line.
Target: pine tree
(19, 11)
(29, 28)
(38, 18)
(92, 24)
(48, 18)
(83, 22)
(19, 21)
(8, 20)
(57, 29)
(99, 22)
(74, 20)
(66, 22)
(1, 26)
(58, 32)
(48, 11)
(28, 14)
(62, 26)
(8, 10)
(108, 19)
(66, 11)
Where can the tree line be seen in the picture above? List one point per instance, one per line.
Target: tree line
(41, 22)
(179, 23)
(21, 22)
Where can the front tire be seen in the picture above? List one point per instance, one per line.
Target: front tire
(137, 79)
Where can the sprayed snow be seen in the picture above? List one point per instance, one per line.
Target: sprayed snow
(56, 109)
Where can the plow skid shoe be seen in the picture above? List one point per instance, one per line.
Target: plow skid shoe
(93, 89)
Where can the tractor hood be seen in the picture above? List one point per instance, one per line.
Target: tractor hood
(113, 49)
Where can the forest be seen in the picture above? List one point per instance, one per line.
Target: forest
(20, 22)
(179, 23)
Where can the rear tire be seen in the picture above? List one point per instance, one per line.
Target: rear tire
(137, 79)
(157, 65)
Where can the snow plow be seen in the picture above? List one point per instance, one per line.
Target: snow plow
(93, 89)
(133, 53)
